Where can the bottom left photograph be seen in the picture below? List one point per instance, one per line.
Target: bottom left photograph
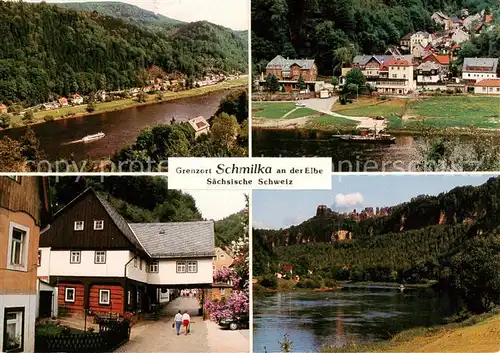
(122, 264)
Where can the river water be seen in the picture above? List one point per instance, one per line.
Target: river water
(60, 138)
(401, 156)
(359, 315)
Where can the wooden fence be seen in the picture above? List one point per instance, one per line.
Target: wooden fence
(111, 335)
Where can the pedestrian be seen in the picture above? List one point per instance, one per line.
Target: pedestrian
(186, 319)
(178, 322)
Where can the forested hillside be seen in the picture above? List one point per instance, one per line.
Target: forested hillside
(315, 29)
(229, 229)
(49, 51)
(427, 238)
(121, 10)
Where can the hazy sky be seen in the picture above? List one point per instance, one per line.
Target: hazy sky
(217, 204)
(279, 209)
(228, 13)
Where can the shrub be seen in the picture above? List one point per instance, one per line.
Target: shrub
(90, 107)
(49, 118)
(269, 282)
(383, 97)
(66, 330)
(330, 283)
(4, 121)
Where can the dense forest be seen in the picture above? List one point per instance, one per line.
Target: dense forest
(144, 199)
(427, 238)
(121, 10)
(50, 51)
(316, 29)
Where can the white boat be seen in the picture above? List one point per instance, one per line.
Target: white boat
(97, 136)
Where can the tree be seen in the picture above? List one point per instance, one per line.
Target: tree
(4, 121)
(10, 155)
(356, 77)
(344, 56)
(301, 83)
(272, 83)
(28, 116)
(225, 129)
(335, 81)
(31, 150)
(90, 107)
(141, 97)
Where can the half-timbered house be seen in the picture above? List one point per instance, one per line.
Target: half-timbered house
(100, 263)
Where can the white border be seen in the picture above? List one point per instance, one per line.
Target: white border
(25, 248)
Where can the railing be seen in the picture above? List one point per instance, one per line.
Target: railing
(111, 335)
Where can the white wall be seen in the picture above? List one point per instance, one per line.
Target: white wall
(135, 272)
(44, 268)
(167, 273)
(114, 267)
(428, 79)
(29, 303)
(478, 76)
(487, 90)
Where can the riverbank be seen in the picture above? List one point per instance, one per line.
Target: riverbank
(478, 334)
(463, 115)
(122, 104)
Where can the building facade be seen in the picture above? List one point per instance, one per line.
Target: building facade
(101, 264)
(23, 210)
(292, 69)
(222, 260)
(488, 86)
(477, 69)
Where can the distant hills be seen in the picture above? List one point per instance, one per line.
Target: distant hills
(121, 10)
(50, 51)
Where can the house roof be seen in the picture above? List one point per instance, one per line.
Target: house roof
(428, 65)
(490, 82)
(362, 60)
(176, 239)
(480, 64)
(198, 123)
(407, 36)
(3, 106)
(399, 62)
(440, 14)
(442, 59)
(488, 18)
(280, 62)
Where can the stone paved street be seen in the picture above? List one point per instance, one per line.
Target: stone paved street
(159, 336)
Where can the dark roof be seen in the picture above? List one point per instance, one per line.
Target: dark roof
(119, 221)
(280, 62)
(176, 239)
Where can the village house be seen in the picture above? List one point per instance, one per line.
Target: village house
(404, 43)
(441, 19)
(23, 212)
(200, 126)
(396, 77)
(95, 261)
(418, 41)
(476, 69)
(222, 260)
(3, 109)
(76, 99)
(487, 86)
(429, 73)
(289, 71)
(63, 101)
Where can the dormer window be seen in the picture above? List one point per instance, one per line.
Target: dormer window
(79, 225)
(98, 225)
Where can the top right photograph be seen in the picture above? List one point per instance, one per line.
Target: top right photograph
(378, 85)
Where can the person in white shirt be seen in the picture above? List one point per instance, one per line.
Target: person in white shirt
(178, 322)
(186, 319)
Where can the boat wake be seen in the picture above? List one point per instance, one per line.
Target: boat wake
(71, 142)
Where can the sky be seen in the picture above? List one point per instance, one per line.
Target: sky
(275, 209)
(217, 204)
(233, 14)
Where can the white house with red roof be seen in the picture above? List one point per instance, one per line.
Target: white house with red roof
(488, 86)
(3, 109)
(396, 77)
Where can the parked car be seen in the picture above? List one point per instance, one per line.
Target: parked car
(299, 104)
(235, 324)
(380, 117)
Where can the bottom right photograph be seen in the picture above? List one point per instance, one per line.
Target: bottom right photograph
(380, 263)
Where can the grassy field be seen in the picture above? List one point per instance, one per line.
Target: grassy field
(328, 119)
(441, 111)
(372, 107)
(129, 103)
(478, 334)
(276, 110)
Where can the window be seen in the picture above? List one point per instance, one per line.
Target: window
(181, 267)
(153, 267)
(104, 296)
(13, 330)
(135, 261)
(98, 225)
(192, 266)
(79, 225)
(140, 264)
(75, 257)
(18, 247)
(223, 291)
(221, 256)
(39, 259)
(69, 294)
(100, 257)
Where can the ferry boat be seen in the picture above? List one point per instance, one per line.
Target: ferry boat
(370, 137)
(94, 137)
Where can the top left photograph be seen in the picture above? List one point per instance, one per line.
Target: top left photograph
(122, 86)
